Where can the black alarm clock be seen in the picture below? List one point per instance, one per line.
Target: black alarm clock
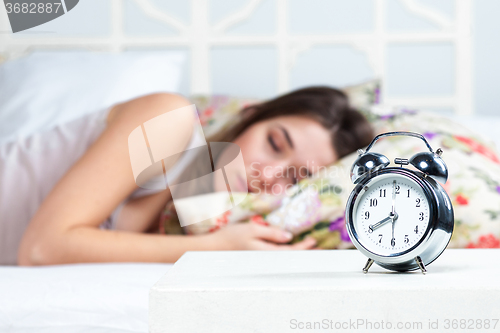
(401, 219)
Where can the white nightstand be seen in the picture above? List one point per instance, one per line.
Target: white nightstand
(289, 291)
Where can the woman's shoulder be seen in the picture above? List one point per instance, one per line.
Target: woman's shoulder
(141, 109)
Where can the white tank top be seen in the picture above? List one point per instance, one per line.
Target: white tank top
(30, 168)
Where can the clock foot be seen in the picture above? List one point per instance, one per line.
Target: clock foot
(420, 264)
(368, 264)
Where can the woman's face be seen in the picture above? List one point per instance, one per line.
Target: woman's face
(279, 152)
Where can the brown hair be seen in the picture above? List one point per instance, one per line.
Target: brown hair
(330, 107)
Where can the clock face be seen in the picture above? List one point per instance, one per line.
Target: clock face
(392, 215)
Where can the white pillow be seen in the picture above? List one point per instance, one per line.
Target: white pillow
(487, 126)
(44, 89)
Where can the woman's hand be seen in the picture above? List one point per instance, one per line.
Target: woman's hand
(253, 236)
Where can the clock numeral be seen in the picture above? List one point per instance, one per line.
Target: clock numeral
(367, 215)
(421, 218)
(408, 193)
(397, 189)
(370, 230)
(407, 240)
(416, 229)
(418, 202)
(380, 240)
(393, 242)
(373, 202)
(382, 193)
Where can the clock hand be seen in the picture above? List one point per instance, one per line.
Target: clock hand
(372, 227)
(392, 215)
(392, 239)
(394, 198)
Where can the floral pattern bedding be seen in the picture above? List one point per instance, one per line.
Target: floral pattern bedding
(316, 205)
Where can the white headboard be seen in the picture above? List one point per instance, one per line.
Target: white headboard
(201, 34)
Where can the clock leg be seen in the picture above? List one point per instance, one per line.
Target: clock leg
(420, 264)
(368, 265)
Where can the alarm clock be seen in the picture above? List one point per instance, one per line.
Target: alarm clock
(400, 218)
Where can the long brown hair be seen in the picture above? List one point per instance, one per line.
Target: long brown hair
(330, 107)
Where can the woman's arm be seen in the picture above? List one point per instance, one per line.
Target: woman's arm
(65, 228)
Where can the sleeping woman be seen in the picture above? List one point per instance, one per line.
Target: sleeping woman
(75, 199)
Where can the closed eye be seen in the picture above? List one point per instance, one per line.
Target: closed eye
(273, 143)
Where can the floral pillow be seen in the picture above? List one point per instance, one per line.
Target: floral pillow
(474, 171)
(316, 206)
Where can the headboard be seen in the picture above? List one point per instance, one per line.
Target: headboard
(421, 50)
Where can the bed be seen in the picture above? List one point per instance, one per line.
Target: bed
(77, 298)
(95, 297)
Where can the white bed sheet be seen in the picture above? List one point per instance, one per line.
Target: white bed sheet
(77, 298)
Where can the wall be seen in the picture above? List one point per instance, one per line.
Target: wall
(436, 54)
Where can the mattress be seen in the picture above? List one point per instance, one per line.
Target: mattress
(77, 298)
